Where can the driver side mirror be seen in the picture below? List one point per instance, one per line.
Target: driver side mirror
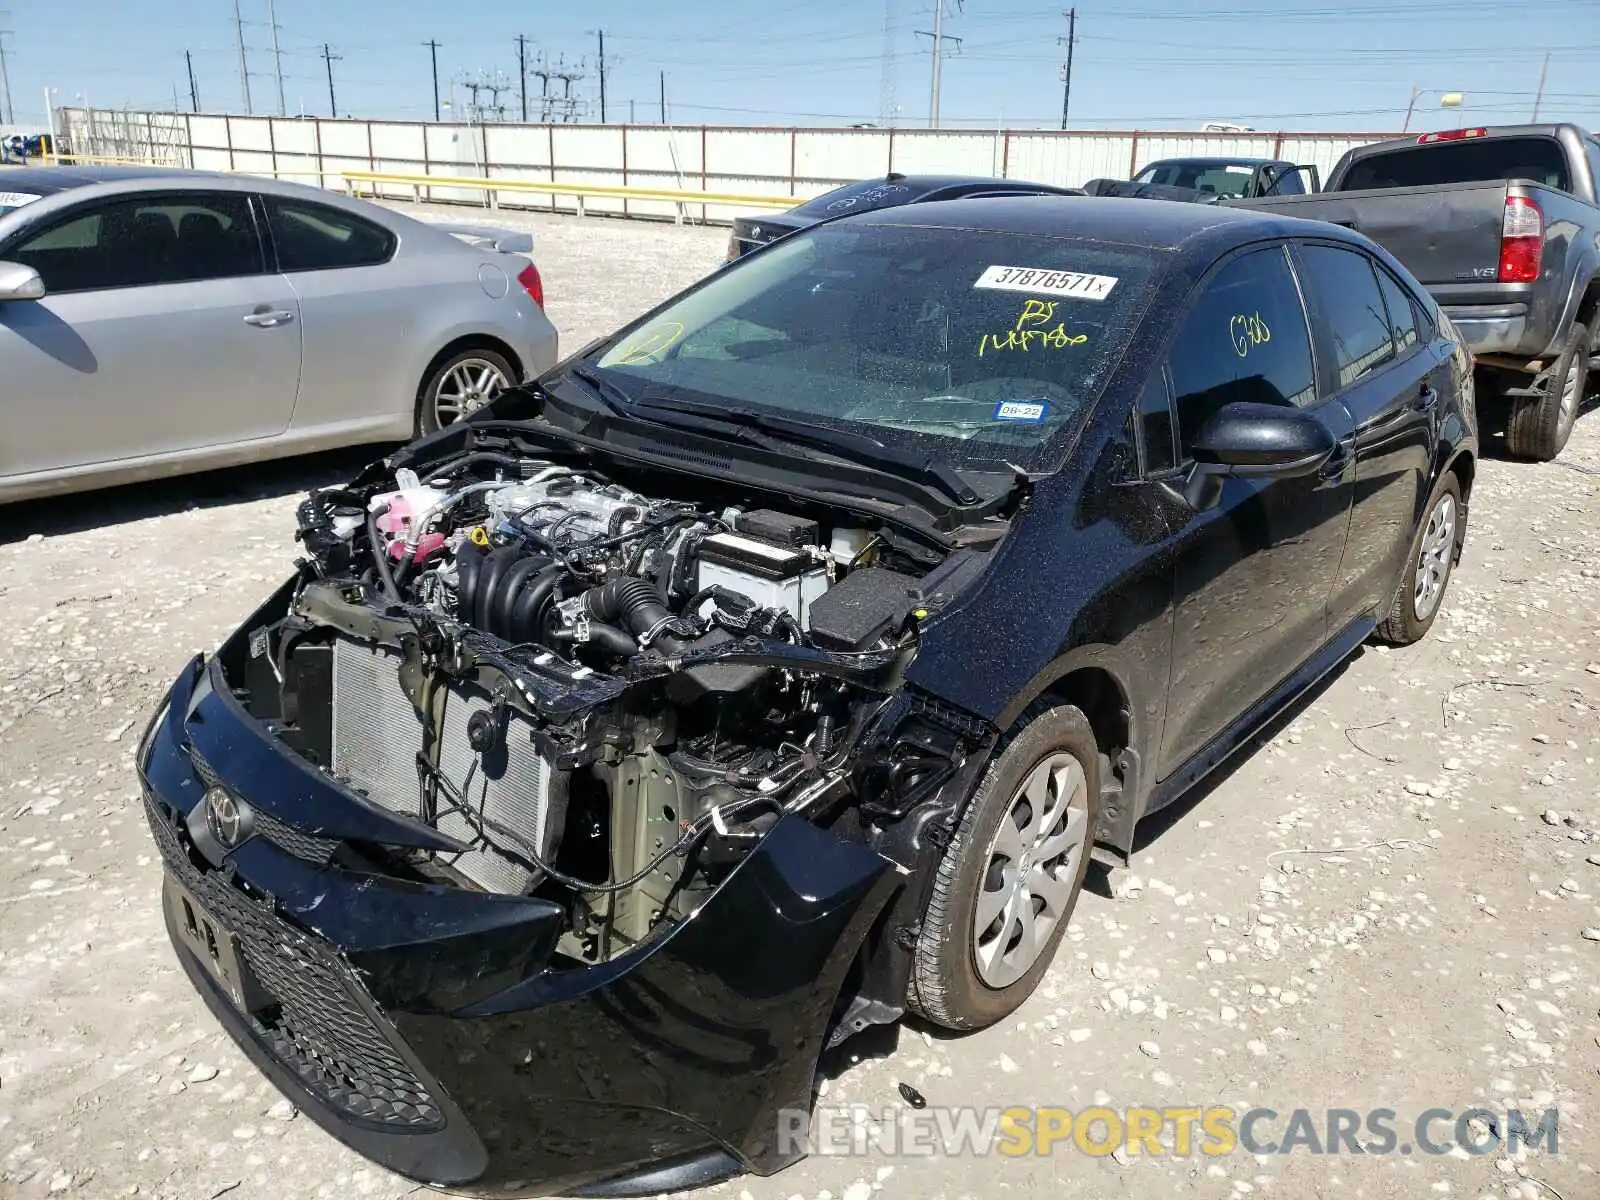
(18, 282)
(1250, 440)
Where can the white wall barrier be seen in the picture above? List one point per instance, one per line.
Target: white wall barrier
(729, 159)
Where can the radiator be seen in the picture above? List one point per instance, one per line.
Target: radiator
(377, 736)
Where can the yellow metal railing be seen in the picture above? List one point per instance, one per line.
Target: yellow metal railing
(371, 182)
(362, 181)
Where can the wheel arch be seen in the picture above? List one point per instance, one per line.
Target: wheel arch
(471, 341)
(1090, 679)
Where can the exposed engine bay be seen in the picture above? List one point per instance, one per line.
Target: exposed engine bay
(602, 695)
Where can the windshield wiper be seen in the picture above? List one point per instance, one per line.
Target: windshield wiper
(608, 393)
(861, 446)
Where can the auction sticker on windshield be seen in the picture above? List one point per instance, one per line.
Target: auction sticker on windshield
(1051, 283)
(16, 199)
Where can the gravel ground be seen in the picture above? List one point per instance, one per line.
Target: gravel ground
(1392, 903)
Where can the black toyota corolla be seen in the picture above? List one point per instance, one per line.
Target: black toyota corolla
(775, 667)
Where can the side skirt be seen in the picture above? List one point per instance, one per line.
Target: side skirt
(1238, 735)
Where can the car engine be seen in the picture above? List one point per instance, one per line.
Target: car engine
(604, 692)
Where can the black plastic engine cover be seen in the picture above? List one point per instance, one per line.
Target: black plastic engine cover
(862, 607)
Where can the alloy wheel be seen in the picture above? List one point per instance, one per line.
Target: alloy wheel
(466, 387)
(1032, 866)
(1569, 395)
(1433, 557)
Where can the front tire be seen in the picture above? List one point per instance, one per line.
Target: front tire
(460, 384)
(1540, 425)
(1420, 595)
(1011, 876)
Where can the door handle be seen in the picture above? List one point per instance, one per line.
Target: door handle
(269, 318)
(1427, 398)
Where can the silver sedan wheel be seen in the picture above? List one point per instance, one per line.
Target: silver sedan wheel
(1032, 866)
(1433, 557)
(467, 386)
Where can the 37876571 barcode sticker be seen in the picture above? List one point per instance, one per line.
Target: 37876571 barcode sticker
(1042, 281)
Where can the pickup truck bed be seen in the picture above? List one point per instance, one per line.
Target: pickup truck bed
(1448, 236)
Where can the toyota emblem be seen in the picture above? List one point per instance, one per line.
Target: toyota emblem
(227, 817)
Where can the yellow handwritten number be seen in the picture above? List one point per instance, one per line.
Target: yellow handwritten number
(1018, 337)
(1247, 332)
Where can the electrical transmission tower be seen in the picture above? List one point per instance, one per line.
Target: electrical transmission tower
(886, 82)
(568, 75)
(495, 85)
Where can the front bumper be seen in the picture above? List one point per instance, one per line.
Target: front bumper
(433, 1029)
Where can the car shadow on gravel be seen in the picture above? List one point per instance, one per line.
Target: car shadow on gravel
(104, 508)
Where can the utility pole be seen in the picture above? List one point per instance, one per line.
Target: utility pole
(244, 64)
(886, 75)
(7, 113)
(194, 92)
(277, 56)
(329, 57)
(939, 39)
(602, 36)
(1066, 72)
(663, 97)
(433, 49)
(522, 73)
(1539, 95)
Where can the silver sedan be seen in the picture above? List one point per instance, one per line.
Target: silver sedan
(154, 322)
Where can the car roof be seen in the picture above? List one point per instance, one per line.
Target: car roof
(45, 181)
(1153, 224)
(1212, 160)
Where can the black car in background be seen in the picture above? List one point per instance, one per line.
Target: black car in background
(871, 195)
(773, 668)
(1209, 180)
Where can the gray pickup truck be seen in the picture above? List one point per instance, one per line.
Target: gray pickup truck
(1502, 226)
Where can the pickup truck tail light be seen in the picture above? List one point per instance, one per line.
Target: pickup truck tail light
(531, 283)
(1521, 241)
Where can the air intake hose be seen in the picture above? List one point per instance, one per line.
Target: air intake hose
(636, 606)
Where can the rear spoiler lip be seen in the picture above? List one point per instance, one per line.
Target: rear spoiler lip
(489, 237)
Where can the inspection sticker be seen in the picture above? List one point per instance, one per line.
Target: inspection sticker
(16, 199)
(1050, 283)
(1021, 410)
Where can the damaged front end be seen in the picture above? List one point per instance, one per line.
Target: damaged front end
(542, 829)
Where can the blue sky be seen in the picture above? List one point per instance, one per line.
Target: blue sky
(1292, 64)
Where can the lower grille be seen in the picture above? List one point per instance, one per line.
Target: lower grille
(319, 1025)
(377, 736)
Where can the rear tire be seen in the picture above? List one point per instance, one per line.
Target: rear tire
(1021, 852)
(1428, 568)
(1540, 425)
(460, 384)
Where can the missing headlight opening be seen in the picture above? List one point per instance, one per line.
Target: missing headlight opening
(605, 695)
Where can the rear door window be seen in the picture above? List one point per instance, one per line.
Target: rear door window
(145, 240)
(1474, 160)
(1402, 309)
(1350, 309)
(1245, 339)
(318, 237)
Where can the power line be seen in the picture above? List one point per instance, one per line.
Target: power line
(7, 113)
(277, 55)
(244, 65)
(1066, 71)
(433, 50)
(939, 39)
(194, 90)
(522, 72)
(329, 58)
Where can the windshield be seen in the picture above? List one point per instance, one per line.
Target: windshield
(1540, 159)
(960, 345)
(1222, 179)
(11, 201)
